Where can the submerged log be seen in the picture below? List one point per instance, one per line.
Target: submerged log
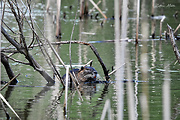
(175, 48)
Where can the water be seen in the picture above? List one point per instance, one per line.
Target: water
(32, 99)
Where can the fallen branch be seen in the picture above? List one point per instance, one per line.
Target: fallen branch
(175, 48)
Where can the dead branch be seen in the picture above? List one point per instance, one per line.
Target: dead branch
(93, 49)
(18, 20)
(176, 30)
(16, 60)
(94, 7)
(74, 81)
(28, 56)
(9, 28)
(49, 61)
(175, 48)
(31, 25)
(9, 81)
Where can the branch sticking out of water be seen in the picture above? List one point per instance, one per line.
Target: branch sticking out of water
(73, 79)
(175, 32)
(175, 48)
(9, 106)
(9, 82)
(95, 52)
(116, 69)
(95, 5)
(161, 26)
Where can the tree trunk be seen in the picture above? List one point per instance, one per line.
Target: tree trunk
(5, 62)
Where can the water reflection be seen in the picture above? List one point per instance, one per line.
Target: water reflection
(144, 61)
(166, 94)
(47, 102)
(136, 79)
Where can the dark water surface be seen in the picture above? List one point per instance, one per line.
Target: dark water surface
(32, 99)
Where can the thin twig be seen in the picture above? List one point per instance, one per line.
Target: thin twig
(16, 60)
(50, 62)
(73, 74)
(9, 82)
(88, 63)
(73, 79)
(116, 69)
(175, 32)
(9, 28)
(29, 7)
(52, 48)
(3, 11)
(71, 39)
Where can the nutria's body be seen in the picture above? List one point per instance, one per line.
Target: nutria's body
(85, 74)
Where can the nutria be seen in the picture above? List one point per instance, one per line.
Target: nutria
(85, 74)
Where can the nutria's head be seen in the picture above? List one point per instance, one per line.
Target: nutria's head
(87, 74)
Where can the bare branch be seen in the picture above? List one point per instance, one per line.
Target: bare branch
(175, 48)
(29, 57)
(17, 60)
(93, 49)
(9, 82)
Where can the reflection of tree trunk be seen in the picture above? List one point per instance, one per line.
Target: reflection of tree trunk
(32, 101)
(29, 57)
(9, 71)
